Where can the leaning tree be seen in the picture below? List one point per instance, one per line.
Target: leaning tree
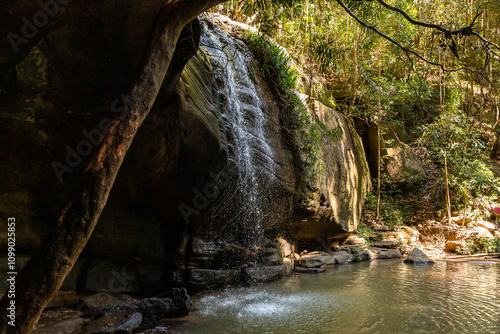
(44, 273)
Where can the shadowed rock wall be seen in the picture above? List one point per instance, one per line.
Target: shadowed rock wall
(189, 206)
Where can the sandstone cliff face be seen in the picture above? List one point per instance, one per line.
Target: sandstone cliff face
(208, 181)
(333, 203)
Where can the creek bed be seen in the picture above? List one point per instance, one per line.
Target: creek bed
(385, 296)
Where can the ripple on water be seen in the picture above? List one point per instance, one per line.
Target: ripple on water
(377, 297)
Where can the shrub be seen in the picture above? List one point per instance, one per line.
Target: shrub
(393, 211)
(356, 254)
(302, 131)
(479, 245)
(365, 232)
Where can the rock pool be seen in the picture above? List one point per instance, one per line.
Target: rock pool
(377, 297)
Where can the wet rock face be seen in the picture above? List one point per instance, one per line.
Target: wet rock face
(265, 263)
(181, 302)
(262, 183)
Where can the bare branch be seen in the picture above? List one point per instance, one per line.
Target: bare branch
(465, 31)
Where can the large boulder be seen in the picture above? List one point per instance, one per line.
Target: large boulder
(418, 257)
(341, 257)
(265, 273)
(401, 164)
(314, 262)
(332, 204)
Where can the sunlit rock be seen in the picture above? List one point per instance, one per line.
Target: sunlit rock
(418, 257)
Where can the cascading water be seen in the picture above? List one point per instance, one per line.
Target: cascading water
(243, 122)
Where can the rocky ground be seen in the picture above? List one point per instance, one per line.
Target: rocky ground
(112, 313)
(443, 238)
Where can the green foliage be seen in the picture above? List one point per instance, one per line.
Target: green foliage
(368, 234)
(393, 211)
(471, 176)
(480, 245)
(282, 78)
(348, 66)
(356, 254)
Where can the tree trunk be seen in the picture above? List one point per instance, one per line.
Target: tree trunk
(379, 162)
(43, 275)
(447, 188)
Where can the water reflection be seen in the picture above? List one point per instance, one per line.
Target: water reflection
(377, 297)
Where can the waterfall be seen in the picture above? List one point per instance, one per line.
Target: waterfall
(243, 123)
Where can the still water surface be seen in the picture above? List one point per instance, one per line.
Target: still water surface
(378, 297)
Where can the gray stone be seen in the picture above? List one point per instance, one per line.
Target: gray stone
(362, 254)
(108, 323)
(401, 164)
(152, 310)
(181, 302)
(310, 270)
(383, 253)
(340, 257)
(418, 257)
(60, 321)
(288, 265)
(265, 274)
(100, 299)
(204, 249)
(209, 278)
(387, 243)
(334, 203)
(274, 259)
(132, 322)
(269, 251)
(355, 240)
(313, 259)
(286, 248)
